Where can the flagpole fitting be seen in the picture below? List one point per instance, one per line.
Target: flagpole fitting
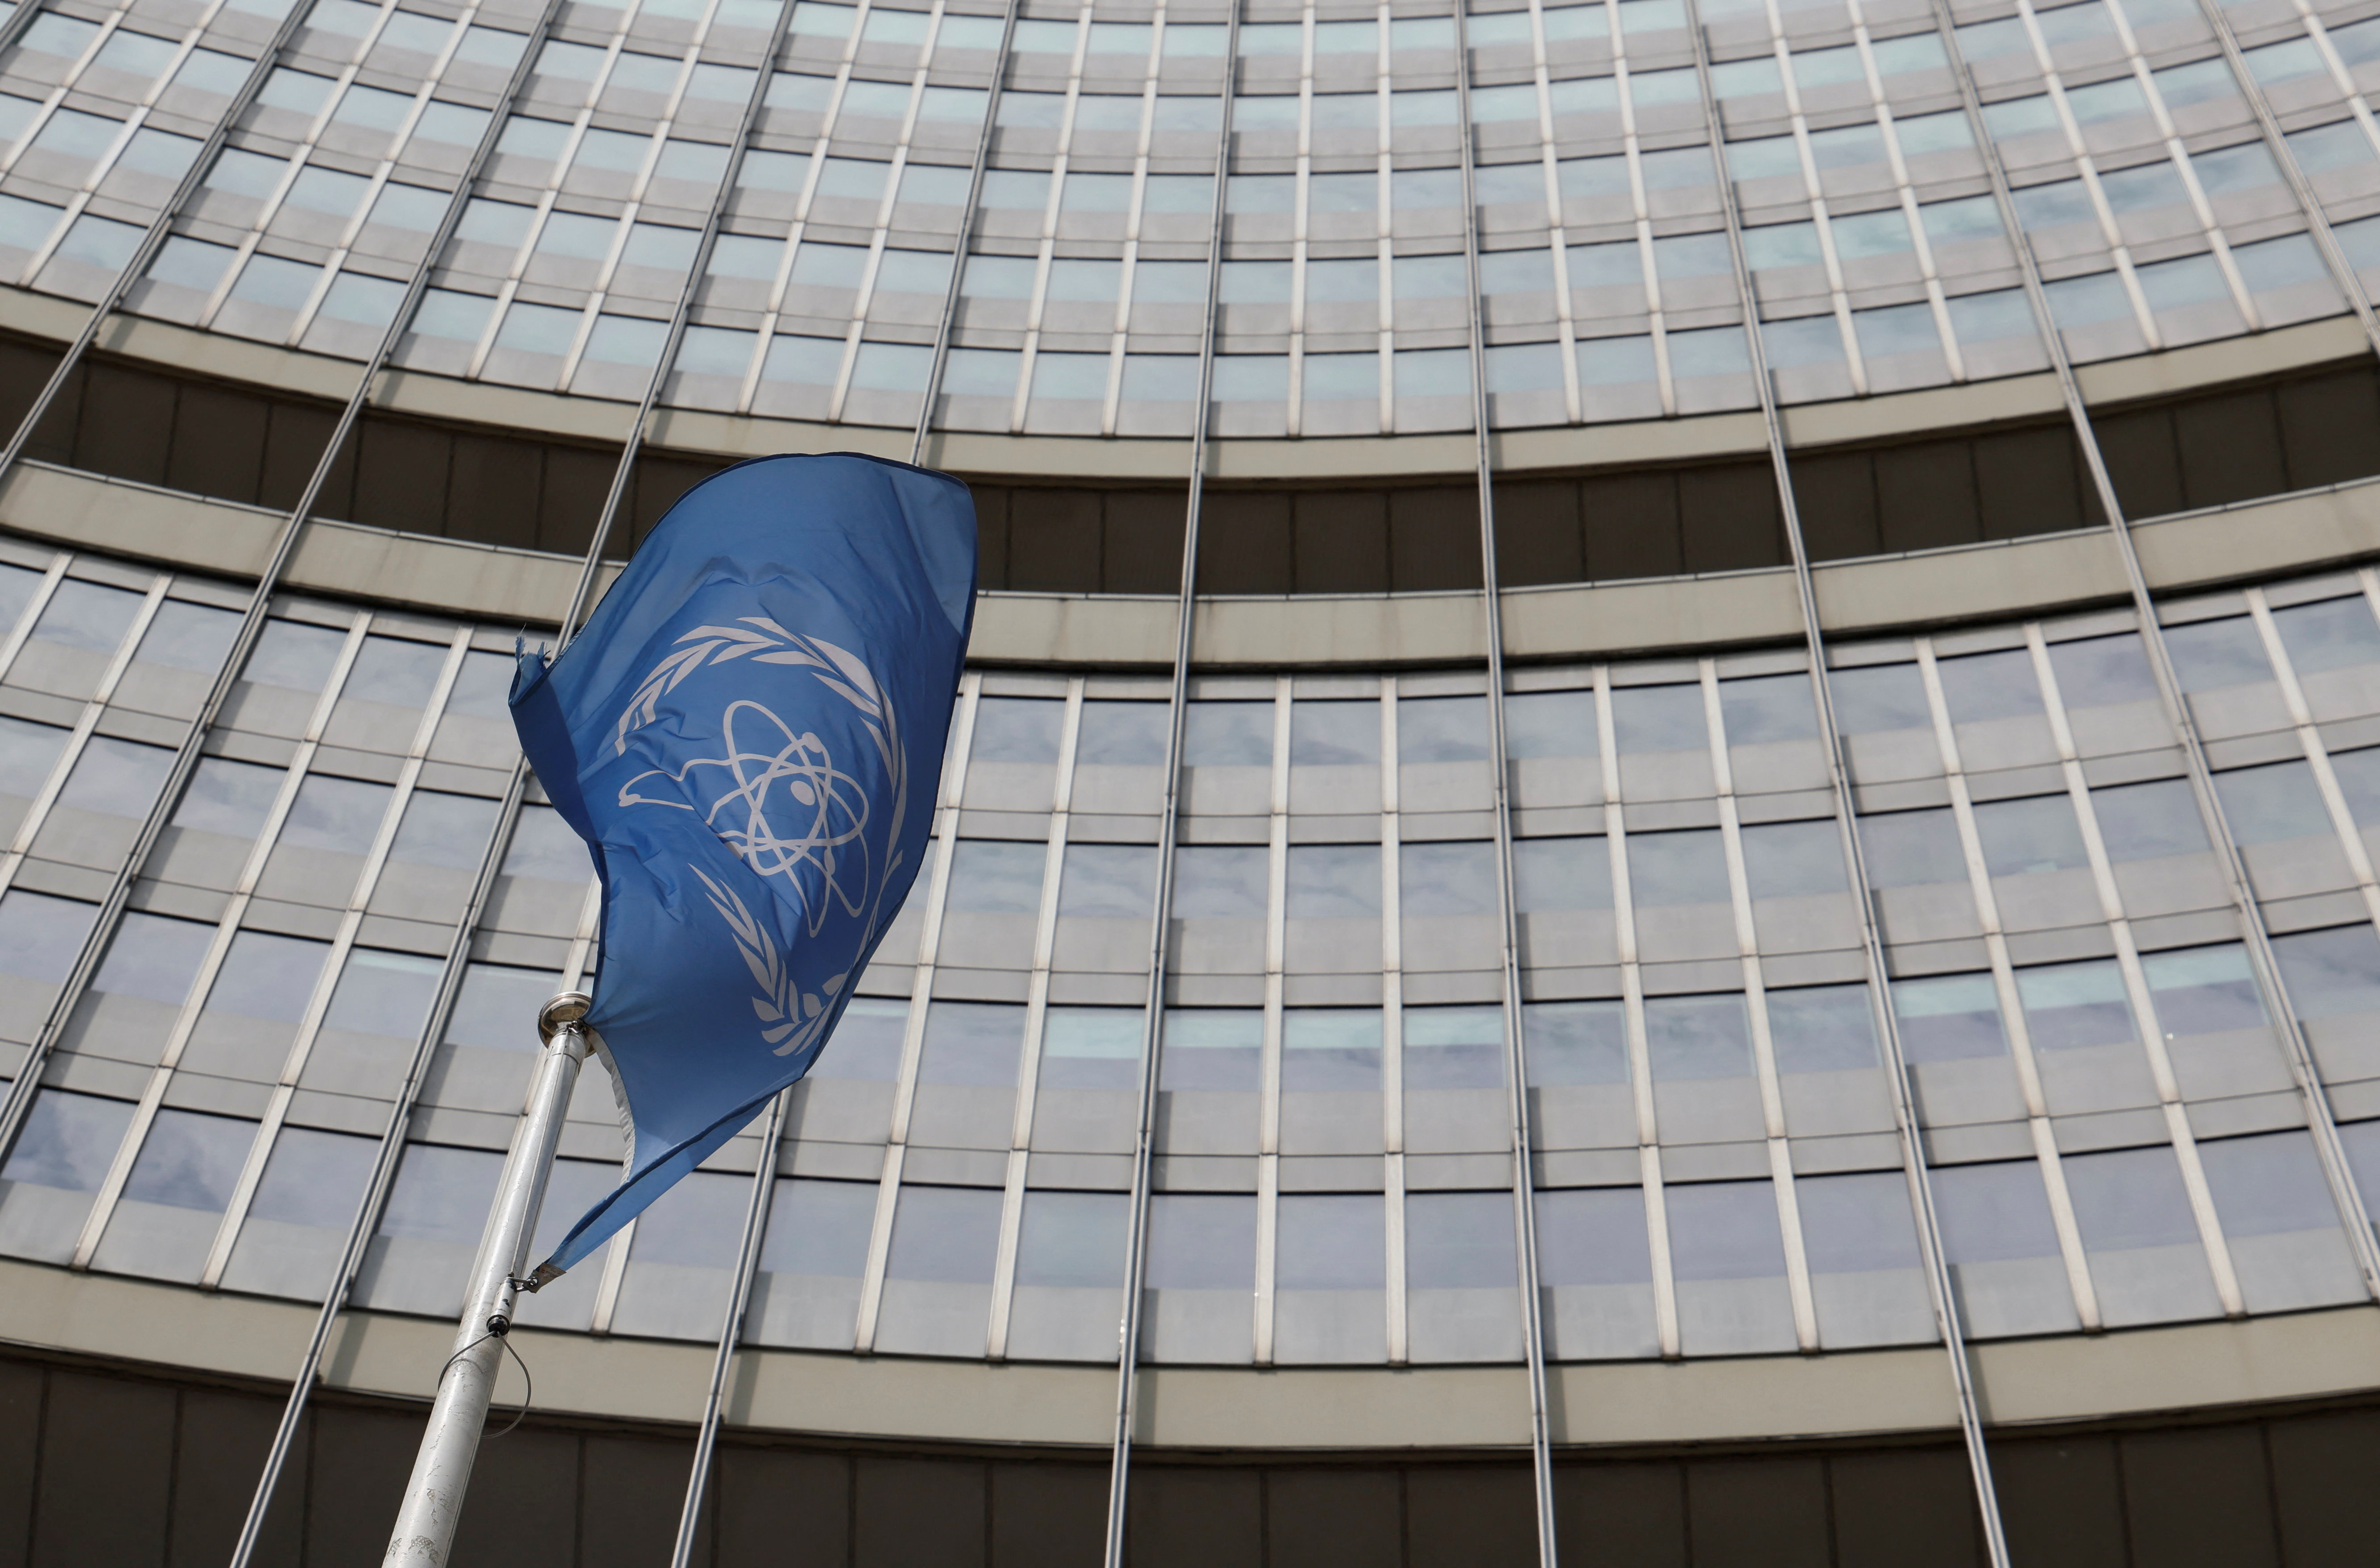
(567, 1011)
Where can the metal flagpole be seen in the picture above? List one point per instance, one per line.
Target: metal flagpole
(466, 1384)
(730, 1333)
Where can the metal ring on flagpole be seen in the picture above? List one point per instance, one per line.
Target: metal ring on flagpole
(561, 1012)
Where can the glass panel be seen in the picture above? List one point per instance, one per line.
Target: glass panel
(62, 1155)
(2279, 1221)
(1201, 1274)
(1331, 1277)
(297, 1223)
(2002, 1248)
(2147, 1260)
(1864, 1269)
(807, 1291)
(1461, 1277)
(938, 1279)
(1595, 1264)
(1728, 1257)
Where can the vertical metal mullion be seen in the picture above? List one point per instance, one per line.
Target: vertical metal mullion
(1632, 1010)
(383, 169)
(541, 210)
(2321, 1121)
(1037, 1013)
(1276, 1020)
(624, 227)
(1392, 1025)
(2317, 753)
(37, 810)
(2256, 935)
(17, 21)
(159, 226)
(1813, 193)
(1912, 1153)
(383, 1177)
(2009, 1001)
(1905, 192)
(334, 958)
(246, 245)
(731, 1327)
(293, 526)
(913, 1029)
(1656, 321)
(1168, 832)
(1524, 1220)
(2333, 256)
(2142, 1000)
(966, 231)
(1046, 244)
(13, 643)
(1756, 1006)
(582, 597)
(227, 930)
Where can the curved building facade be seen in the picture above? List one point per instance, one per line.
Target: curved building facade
(1659, 847)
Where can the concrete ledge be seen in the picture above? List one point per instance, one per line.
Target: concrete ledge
(2141, 1372)
(2021, 577)
(2013, 579)
(1393, 630)
(1781, 1396)
(2189, 1366)
(1665, 613)
(452, 576)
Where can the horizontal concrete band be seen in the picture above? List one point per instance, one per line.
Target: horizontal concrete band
(2009, 578)
(1884, 416)
(2196, 1366)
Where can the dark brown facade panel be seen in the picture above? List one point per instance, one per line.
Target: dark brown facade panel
(1340, 542)
(1140, 539)
(524, 1501)
(105, 1481)
(2062, 1501)
(1433, 539)
(1538, 538)
(906, 1510)
(1631, 525)
(1247, 541)
(106, 1471)
(1932, 494)
(1902, 1505)
(2200, 1499)
(1051, 1512)
(756, 1491)
(1333, 1518)
(1770, 1511)
(1632, 1511)
(1470, 1515)
(2324, 1469)
(1053, 540)
(1729, 518)
(1193, 1517)
(258, 447)
(220, 1439)
(2238, 443)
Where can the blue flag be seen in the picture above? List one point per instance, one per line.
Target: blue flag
(747, 734)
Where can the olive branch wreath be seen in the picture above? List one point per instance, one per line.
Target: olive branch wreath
(790, 1017)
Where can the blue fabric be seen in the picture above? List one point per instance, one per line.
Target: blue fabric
(747, 734)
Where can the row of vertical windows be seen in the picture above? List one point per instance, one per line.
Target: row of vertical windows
(1340, 823)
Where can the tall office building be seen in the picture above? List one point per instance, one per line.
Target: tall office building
(1854, 957)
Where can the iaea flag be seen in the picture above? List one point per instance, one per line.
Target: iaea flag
(747, 734)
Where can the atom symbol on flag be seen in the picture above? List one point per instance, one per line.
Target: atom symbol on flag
(786, 809)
